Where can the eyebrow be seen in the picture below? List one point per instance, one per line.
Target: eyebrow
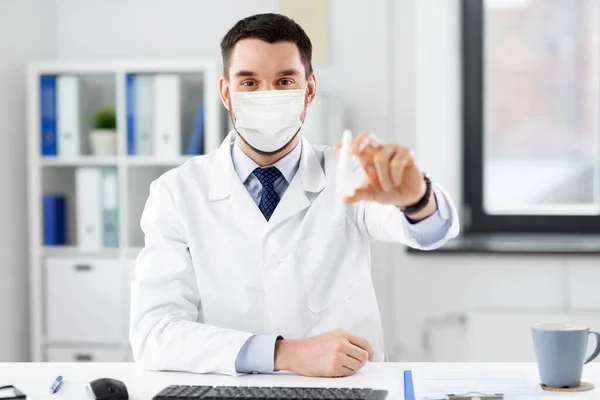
(244, 73)
(286, 72)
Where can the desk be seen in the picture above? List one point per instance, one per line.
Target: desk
(35, 378)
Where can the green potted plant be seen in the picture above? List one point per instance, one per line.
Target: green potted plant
(104, 136)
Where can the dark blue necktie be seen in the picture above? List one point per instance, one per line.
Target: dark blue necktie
(269, 198)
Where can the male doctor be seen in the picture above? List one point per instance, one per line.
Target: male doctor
(252, 262)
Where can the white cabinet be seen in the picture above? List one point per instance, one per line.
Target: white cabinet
(57, 354)
(85, 300)
(129, 356)
(129, 277)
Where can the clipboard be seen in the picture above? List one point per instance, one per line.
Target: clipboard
(17, 394)
(409, 392)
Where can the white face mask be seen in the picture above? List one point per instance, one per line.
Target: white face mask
(268, 119)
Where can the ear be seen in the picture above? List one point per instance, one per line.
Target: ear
(224, 91)
(311, 88)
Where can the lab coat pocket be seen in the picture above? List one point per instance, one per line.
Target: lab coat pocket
(329, 269)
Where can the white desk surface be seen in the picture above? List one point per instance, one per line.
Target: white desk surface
(34, 379)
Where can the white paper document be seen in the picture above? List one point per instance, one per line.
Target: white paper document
(438, 384)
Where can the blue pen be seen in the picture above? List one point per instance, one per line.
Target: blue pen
(56, 385)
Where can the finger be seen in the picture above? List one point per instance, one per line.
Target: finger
(372, 141)
(356, 352)
(365, 157)
(362, 343)
(337, 146)
(371, 173)
(382, 164)
(367, 193)
(365, 145)
(402, 159)
(358, 140)
(345, 371)
(351, 363)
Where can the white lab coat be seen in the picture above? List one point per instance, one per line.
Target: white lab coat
(214, 272)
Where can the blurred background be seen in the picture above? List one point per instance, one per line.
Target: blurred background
(498, 98)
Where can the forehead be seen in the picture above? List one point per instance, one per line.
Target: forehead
(264, 58)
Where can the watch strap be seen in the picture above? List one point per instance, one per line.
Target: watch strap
(423, 201)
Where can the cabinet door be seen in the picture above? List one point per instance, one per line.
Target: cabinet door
(129, 278)
(85, 300)
(57, 354)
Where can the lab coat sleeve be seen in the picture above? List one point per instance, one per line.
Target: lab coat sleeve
(387, 223)
(164, 330)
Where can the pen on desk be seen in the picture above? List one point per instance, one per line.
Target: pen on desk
(56, 385)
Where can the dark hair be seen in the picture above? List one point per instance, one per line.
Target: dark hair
(270, 28)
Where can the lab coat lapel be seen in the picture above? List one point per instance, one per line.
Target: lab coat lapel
(225, 185)
(244, 210)
(309, 178)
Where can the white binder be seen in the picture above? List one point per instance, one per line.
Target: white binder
(144, 109)
(67, 119)
(167, 116)
(88, 182)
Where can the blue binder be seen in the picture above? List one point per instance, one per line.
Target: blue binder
(409, 388)
(110, 208)
(55, 220)
(196, 143)
(130, 88)
(48, 115)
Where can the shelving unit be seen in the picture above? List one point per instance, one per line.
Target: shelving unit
(80, 298)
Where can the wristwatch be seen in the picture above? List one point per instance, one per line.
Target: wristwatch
(423, 202)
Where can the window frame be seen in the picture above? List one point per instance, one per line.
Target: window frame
(476, 219)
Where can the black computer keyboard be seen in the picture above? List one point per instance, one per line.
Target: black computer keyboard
(271, 393)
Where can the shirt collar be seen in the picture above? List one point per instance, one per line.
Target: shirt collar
(244, 165)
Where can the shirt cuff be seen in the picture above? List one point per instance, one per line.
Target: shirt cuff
(433, 228)
(257, 355)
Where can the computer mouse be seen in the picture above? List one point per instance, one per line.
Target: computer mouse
(107, 389)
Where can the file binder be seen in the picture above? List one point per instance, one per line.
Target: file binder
(167, 116)
(409, 388)
(67, 88)
(48, 115)
(110, 207)
(89, 212)
(130, 89)
(143, 114)
(196, 143)
(55, 223)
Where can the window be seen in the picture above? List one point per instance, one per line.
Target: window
(531, 88)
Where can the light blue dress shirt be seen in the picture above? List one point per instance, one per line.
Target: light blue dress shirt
(258, 353)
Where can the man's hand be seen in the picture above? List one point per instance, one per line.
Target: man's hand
(392, 175)
(332, 354)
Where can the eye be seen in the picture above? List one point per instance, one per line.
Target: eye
(248, 83)
(286, 82)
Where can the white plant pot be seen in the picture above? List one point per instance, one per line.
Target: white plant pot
(104, 142)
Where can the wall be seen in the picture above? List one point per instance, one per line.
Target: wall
(27, 32)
